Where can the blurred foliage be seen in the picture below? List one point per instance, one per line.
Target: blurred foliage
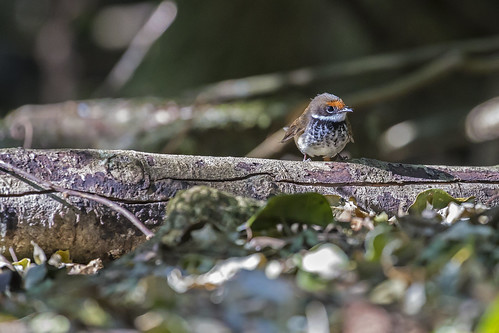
(304, 208)
(208, 269)
(434, 198)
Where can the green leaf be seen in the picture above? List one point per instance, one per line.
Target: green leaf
(376, 241)
(310, 282)
(65, 256)
(437, 198)
(489, 323)
(22, 265)
(92, 314)
(35, 275)
(305, 208)
(49, 322)
(381, 218)
(388, 291)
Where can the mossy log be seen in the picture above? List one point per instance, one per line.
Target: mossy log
(143, 183)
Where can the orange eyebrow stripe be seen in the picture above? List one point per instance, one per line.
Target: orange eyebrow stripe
(338, 104)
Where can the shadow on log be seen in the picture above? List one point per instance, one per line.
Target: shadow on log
(143, 183)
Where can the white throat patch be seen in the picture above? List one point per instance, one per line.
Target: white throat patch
(334, 117)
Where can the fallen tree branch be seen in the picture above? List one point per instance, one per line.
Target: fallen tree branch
(6, 167)
(143, 183)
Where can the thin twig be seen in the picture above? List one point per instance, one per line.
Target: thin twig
(9, 168)
(159, 21)
(271, 83)
(13, 254)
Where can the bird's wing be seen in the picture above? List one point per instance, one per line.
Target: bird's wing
(292, 130)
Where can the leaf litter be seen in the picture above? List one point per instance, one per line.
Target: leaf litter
(289, 264)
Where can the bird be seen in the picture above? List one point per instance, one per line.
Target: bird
(322, 129)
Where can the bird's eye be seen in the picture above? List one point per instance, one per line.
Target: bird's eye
(330, 109)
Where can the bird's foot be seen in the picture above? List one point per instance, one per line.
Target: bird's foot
(341, 158)
(336, 158)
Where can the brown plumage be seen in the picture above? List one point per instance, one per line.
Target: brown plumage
(323, 128)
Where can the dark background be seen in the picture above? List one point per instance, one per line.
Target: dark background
(54, 51)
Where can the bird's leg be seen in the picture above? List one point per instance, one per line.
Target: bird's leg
(327, 158)
(304, 157)
(340, 158)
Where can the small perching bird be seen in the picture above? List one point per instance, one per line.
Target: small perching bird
(322, 129)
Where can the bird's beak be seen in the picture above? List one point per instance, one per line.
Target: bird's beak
(346, 109)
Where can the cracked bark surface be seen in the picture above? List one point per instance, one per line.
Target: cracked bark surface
(143, 183)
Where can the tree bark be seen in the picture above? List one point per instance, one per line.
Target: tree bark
(143, 183)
